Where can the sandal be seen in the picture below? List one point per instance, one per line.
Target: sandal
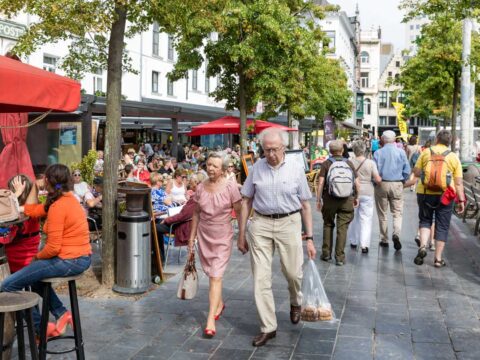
(439, 263)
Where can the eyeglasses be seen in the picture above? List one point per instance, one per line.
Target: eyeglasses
(273, 150)
(231, 166)
(76, 174)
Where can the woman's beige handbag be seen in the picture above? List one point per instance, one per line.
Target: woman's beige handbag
(188, 284)
(8, 206)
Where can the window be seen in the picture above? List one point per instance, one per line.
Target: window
(401, 97)
(397, 64)
(390, 74)
(397, 76)
(170, 48)
(391, 99)
(50, 63)
(97, 84)
(155, 82)
(207, 79)
(411, 27)
(169, 87)
(194, 79)
(383, 121)
(364, 57)
(156, 39)
(418, 26)
(367, 106)
(382, 99)
(330, 40)
(98, 80)
(364, 79)
(392, 120)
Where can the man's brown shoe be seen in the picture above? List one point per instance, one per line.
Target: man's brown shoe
(262, 338)
(295, 313)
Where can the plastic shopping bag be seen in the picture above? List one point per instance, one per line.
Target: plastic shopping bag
(315, 304)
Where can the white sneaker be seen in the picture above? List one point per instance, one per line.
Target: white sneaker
(431, 246)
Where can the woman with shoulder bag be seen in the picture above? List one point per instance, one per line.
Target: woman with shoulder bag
(211, 225)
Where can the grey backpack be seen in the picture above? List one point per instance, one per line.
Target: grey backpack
(340, 179)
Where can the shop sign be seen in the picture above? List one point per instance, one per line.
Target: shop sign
(11, 30)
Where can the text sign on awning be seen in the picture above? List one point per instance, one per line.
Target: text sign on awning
(11, 30)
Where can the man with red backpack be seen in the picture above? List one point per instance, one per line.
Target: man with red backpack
(441, 182)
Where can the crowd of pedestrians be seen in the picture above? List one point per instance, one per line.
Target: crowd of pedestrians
(272, 208)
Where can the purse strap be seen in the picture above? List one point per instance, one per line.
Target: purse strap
(190, 265)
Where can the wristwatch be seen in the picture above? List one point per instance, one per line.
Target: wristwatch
(309, 238)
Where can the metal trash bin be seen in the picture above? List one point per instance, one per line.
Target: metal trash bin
(133, 260)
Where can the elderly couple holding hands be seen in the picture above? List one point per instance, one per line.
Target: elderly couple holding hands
(277, 190)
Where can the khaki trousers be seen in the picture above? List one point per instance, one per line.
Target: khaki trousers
(264, 236)
(389, 193)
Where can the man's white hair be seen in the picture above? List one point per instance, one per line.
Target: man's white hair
(388, 136)
(270, 132)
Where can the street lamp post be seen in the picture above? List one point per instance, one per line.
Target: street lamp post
(466, 133)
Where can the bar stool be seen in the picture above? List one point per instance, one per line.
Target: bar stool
(77, 328)
(21, 303)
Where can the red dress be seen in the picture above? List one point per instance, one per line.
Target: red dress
(21, 244)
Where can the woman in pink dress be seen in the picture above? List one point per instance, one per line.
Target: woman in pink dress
(211, 225)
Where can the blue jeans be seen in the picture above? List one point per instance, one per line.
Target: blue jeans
(38, 270)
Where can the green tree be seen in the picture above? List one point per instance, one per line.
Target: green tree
(329, 94)
(259, 43)
(97, 31)
(431, 79)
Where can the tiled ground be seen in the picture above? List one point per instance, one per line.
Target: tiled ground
(388, 307)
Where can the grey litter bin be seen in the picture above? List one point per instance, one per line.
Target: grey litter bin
(133, 260)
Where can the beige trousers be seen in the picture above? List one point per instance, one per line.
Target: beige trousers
(389, 193)
(264, 236)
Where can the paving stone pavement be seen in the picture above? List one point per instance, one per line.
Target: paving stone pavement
(388, 308)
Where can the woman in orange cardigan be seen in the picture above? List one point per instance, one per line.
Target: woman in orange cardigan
(67, 249)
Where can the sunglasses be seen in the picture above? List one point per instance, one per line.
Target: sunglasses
(76, 174)
(231, 166)
(184, 177)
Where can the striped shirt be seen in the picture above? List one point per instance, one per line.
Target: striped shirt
(277, 190)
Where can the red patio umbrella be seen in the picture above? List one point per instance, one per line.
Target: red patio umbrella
(231, 125)
(23, 89)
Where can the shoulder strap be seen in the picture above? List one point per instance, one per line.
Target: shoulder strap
(446, 152)
(359, 166)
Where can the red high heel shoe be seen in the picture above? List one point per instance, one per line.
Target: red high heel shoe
(219, 314)
(209, 333)
(63, 322)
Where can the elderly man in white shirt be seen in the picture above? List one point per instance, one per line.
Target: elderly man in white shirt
(277, 189)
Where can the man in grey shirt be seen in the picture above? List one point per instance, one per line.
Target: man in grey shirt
(277, 190)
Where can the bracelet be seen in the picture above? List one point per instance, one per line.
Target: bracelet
(309, 238)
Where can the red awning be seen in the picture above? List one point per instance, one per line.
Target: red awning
(231, 125)
(25, 88)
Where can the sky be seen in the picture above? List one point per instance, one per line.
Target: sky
(383, 13)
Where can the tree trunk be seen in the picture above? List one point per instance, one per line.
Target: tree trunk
(242, 107)
(456, 90)
(112, 143)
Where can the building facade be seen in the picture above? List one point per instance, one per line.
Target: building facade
(341, 31)
(370, 46)
(413, 30)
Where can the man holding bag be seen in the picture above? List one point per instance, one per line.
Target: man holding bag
(440, 172)
(277, 190)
